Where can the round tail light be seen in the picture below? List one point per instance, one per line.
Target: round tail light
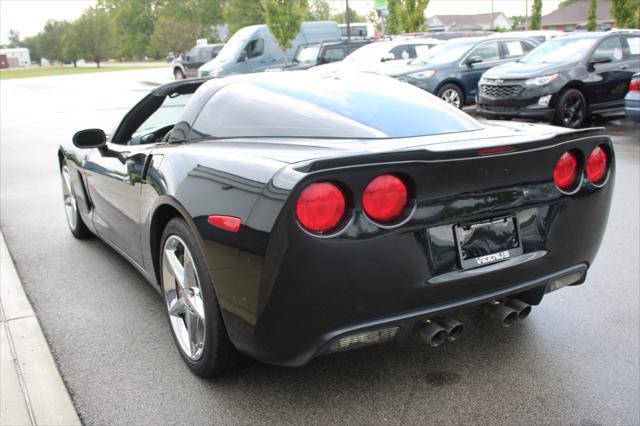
(385, 198)
(566, 171)
(597, 165)
(320, 207)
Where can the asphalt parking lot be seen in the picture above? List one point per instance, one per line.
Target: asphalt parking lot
(575, 360)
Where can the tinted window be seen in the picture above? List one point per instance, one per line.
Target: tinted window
(205, 53)
(404, 51)
(333, 54)
(560, 50)
(166, 115)
(609, 48)
(193, 54)
(255, 48)
(357, 107)
(528, 47)
(488, 52)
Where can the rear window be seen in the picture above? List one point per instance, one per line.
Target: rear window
(360, 108)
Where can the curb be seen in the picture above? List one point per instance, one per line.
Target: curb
(31, 390)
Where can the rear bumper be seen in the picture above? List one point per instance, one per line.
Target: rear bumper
(286, 301)
(632, 105)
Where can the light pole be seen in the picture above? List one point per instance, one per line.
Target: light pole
(347, 19)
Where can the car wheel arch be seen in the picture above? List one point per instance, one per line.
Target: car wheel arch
(166, 208)
(573, 84)
(455, 82)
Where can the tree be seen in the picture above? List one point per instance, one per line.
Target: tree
(536, 15)
(626, 13)
(414, 15)
(406, 16)
(14, 39)
(241, 13)
(33, 44)
(51, 45)
(319, 10)
(133, 22)
(174, 35)
(592, 21)
(95, 35)
(71, 44)
(284, 19)
(395, 18)
(353, 17)
(516, 22)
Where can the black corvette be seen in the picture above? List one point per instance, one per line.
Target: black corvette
(286, 216)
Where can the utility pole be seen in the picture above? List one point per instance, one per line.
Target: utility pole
(493, 27)
(526, 15)
(347, 19)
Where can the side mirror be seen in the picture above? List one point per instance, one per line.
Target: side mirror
(601, 60)
(388, 57)
(90, 138)
(472, 60)
(243, 56)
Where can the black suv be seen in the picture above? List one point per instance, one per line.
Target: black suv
(187, 66)
(310, 55)
(565, 80)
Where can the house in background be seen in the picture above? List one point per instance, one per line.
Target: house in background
(480, 22)
(15, 57)
(576, 15)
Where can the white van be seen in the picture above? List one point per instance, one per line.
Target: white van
(254, 49)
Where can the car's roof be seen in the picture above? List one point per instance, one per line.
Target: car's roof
(303, 104)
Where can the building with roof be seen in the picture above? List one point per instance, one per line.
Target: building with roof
(575, 16)
(479, 22)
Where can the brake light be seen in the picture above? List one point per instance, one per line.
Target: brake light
(597, 165)
(320, 207)
(385, 198)
(566, 171)
(634, 85)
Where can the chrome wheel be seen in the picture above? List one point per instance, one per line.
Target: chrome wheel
(452, 97)
(183, 296)
(70, 203)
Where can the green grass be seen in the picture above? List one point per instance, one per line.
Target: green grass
(6, 74)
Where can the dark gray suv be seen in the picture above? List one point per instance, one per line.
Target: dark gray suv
(452, 70)
(565, 80)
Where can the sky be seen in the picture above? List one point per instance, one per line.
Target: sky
(29, 16)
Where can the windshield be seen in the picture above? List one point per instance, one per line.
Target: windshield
(560, 50)
(235, 44)
(370, 53)
(445, 53)
(308, 54)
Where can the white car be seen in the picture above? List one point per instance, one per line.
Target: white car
(381, 53)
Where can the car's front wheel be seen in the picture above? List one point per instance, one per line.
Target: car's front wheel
(194, 315)
(451, 94)
(74, 219)
(571, 109)
(178, 74)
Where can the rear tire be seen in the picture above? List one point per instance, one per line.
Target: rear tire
(452, 94)
(193, 312)
(571, 109)
(178, 74)
(74, 219)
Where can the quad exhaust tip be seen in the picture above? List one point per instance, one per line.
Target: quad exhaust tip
(436, 331)
(509, 312)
